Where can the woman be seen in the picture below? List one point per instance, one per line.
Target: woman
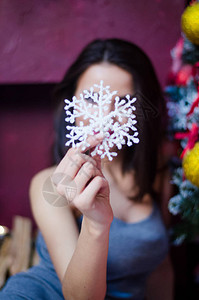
(120, 239)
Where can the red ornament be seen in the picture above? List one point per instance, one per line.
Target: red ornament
(184, 75)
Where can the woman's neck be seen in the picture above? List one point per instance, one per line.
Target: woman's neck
(125, 182)
(122, 191)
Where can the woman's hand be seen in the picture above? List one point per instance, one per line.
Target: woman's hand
(87, 268)
(83, 173)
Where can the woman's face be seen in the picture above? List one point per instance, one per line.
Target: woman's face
(117, 78)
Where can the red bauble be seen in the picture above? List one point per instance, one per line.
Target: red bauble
(184, 75)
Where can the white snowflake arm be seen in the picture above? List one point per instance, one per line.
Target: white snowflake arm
(116, 132)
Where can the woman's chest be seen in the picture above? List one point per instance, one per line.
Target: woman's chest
(136, 247)
(127, 210)
(122, 191)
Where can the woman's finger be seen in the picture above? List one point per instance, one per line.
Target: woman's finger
(90, 192)
(75, 163)
(91, 142)
(85, 174)
(71, 165)
(73, 157)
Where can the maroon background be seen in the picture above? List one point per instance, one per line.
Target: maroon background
(26, 132)
(39, 39)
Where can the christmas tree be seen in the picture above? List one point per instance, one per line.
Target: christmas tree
(182, 94)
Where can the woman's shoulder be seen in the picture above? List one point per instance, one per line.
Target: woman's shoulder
(41, 187)
(54, 219)
(38, 181)
(42, 175)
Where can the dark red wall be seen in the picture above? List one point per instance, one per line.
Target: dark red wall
(39, 39)
(26, 144)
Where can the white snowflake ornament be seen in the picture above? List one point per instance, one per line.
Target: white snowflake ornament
(115, 125)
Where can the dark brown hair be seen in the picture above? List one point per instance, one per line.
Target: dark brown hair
(150, 105)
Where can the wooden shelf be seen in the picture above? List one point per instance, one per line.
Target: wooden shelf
(17, 251)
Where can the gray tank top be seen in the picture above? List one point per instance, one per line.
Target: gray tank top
(135, 250)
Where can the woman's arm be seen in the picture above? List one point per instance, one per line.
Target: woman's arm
(57, 224)
(85, 276)
(81, 261)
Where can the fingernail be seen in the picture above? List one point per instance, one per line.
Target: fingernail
(99, 135)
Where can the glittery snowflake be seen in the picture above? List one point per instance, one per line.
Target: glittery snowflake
(117, 125)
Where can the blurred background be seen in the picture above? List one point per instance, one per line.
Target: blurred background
(38, 42)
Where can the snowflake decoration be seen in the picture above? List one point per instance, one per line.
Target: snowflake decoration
(93, 107)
